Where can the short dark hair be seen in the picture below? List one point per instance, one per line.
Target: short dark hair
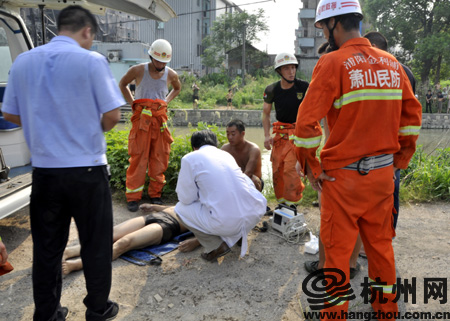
(377, 39)
(349, 21)
(203, 137)
(75, 18)
(240, 126)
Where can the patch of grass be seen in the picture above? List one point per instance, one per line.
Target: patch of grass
(427, 177)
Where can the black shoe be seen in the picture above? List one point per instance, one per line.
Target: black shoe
(354, 271)
(156, 200)
(62, 313)
(133, 206)
(311, 266)
(110, 313)
(215, 254)
(269, 212)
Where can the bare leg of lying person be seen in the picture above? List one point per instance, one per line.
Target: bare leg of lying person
(136, 233)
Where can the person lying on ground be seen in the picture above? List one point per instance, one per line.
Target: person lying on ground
(158, 227)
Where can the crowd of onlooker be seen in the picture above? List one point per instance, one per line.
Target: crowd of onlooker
(437, 99)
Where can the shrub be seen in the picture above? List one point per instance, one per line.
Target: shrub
(117, 154)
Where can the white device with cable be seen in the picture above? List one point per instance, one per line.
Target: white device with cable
(286, 219)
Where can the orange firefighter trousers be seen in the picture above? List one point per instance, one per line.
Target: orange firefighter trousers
(286, 182)
(149, 148)
(354, 204)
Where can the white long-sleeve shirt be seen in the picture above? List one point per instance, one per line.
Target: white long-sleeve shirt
(216, 197)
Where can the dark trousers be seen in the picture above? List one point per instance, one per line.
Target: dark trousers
(396, 197)
(428, 106)
(58, 194)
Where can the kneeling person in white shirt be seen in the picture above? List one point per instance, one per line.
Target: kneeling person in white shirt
(217, 201)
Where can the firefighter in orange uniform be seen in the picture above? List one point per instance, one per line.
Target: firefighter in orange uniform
(374, 121)
(149, 140)
(286, 94)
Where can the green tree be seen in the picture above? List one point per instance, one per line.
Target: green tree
(227, 33)
(418, 30)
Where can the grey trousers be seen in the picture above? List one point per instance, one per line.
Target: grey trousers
(208, 241)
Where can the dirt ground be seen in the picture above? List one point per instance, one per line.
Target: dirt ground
(265, 285)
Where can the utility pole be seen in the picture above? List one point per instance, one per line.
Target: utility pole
(41, 8)
(243, 54)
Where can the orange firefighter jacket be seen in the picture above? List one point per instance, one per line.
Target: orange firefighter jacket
(369, 106)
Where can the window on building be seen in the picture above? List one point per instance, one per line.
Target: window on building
(305, 33)
(198, 25)
(206, 7)
(198, 3)
(159, 25)
(199, 50)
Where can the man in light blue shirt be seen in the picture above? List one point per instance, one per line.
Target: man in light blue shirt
(64, 97)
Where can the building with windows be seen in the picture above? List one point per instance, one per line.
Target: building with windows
(308, 38)
(186, 32)
(118, 29)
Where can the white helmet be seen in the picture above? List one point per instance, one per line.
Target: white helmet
(285, 59)
(332, 8)
(161, 50)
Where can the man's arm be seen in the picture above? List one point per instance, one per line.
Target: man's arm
(268, 140)
(15, 119)
(110, 119)
(254, 161)
(176, 86)
(131, 75)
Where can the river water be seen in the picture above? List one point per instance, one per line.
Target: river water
(430, 139)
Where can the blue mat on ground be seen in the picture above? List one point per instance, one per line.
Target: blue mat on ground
(151, 255)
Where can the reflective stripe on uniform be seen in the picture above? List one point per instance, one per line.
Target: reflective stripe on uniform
(289, 203)
(163, 126)
(307, 142)
(339, 300)
(385, 288)
(154, 180)
(409, 130)
(368, 94)
(281, 200)
(147, 112)
(139, 189)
